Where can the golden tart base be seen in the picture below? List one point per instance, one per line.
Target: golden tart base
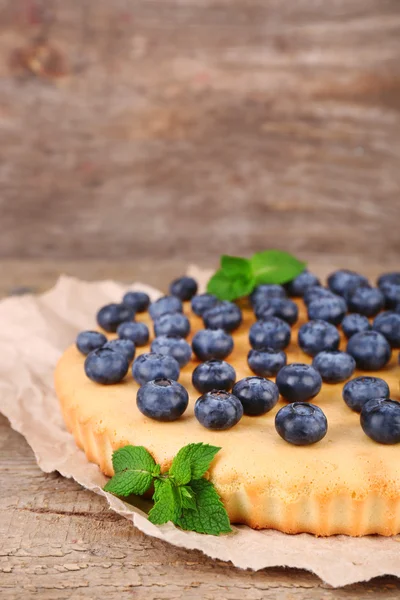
(345, 484)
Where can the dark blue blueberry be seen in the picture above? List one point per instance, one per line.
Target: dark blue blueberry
(135, 331)
(106, 366)
(203, 302)
(151, 366)
(343, 279)
(266, 362)
(174, 346)
(370, 350)
(315, 293)
(139, 301)
(301, 424)
(301, 283)
(224, 315)
(172, 324)
(355, 323)
(366, 301)
(218, 410)
(388, 278)
(270, 333)
(213, 375)
(360, 390)
(87, 341)
(166, 304)
(266, 291)
(388, 324)
(332, 310)
(397, 309)
(162, 399)
(212, 343)
(380, 420)
(184, 288)
(391, 292)
(283, 308)
(126, 347)
(112, 315)
(316, 336)
(257, 395)
(298, 382)
(334, 366)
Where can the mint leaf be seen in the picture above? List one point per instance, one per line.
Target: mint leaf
(187, 497)
(275, 266)
(167, 505)
(134, 468)
(191, 462)
(235, 265)
(227, 286)
(209, 515)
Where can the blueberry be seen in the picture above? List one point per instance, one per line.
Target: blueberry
(112, 315)
(257, 395)
(388, 324)
(301, 424)
(126, 347)
(184, 288)
(224, 315)
(172, 324)
(360, 390)
(315, 293)
(90, 340)
(380, 420)
(298, 382)
(301, 283)
(212, 343)
(174, 346)
(265, 292)
(135, 331)
(269, 333)
(355, 323)
(332, 309)
(391, 293)
(166, 304)
(139, 301)
(366, 301)
(106, 366)
(213, 375)
(388, 278)
(334, 366)
(316, 336)
(218, 410)
(283, 308)
(151, 366)
(203, 302)
(162, 399)
(370, 350)
(340, 281)
(266, 362)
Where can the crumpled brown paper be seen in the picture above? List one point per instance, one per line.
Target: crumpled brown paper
(35, 330)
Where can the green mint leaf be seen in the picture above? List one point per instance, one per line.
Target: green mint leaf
(191, 462)
(275, 266)
(134, 468)
(227, 286)
(188, 500)
(209, 515)
(235, 265)
(168, 505)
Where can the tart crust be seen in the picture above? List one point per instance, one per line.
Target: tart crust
(345, 484)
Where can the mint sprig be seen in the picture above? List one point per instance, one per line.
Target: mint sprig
(181, 495)
(239, 276)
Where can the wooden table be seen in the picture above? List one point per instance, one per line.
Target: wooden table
(59, 541)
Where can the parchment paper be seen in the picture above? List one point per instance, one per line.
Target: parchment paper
(35, 330)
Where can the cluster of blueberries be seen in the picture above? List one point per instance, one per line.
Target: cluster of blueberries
(348, 300)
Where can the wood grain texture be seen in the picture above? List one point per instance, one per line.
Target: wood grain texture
(60, 542)
(167, 127)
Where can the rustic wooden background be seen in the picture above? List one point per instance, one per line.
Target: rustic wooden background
(161, 127)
